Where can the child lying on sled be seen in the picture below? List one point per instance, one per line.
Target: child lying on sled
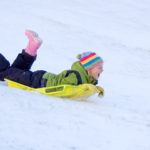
(86, 70)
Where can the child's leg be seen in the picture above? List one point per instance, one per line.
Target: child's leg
(23, 76)
(26, 58)
(4, 63)
(23, 61)
(19, 70)
(29, 78)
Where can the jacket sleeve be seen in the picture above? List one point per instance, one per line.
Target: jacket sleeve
(70, 79)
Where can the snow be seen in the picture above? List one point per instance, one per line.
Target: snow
(119, 31)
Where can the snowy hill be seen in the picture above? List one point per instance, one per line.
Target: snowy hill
(119, 31)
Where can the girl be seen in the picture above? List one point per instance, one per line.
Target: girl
(86, 70)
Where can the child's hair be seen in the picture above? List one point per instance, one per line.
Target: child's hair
(89, 60)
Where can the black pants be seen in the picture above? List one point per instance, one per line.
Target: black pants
(20, 72)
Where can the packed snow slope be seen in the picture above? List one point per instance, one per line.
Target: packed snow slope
(119, 31)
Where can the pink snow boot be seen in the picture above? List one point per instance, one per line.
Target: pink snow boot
(34, 42)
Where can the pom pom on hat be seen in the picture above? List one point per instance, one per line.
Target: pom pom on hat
(79, 56)
(89, 60)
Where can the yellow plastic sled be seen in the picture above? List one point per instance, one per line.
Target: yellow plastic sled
(63, 91)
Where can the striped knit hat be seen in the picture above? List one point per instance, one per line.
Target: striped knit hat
(89, 60)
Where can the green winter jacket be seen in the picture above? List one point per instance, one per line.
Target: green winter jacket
(53, 79)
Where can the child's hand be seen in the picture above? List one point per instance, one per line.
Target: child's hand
(100, 90)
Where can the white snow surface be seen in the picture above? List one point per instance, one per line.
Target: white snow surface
(119, 31)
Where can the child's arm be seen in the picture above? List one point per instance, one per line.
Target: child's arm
(70, 79)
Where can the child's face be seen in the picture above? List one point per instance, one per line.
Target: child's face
(96, 71)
